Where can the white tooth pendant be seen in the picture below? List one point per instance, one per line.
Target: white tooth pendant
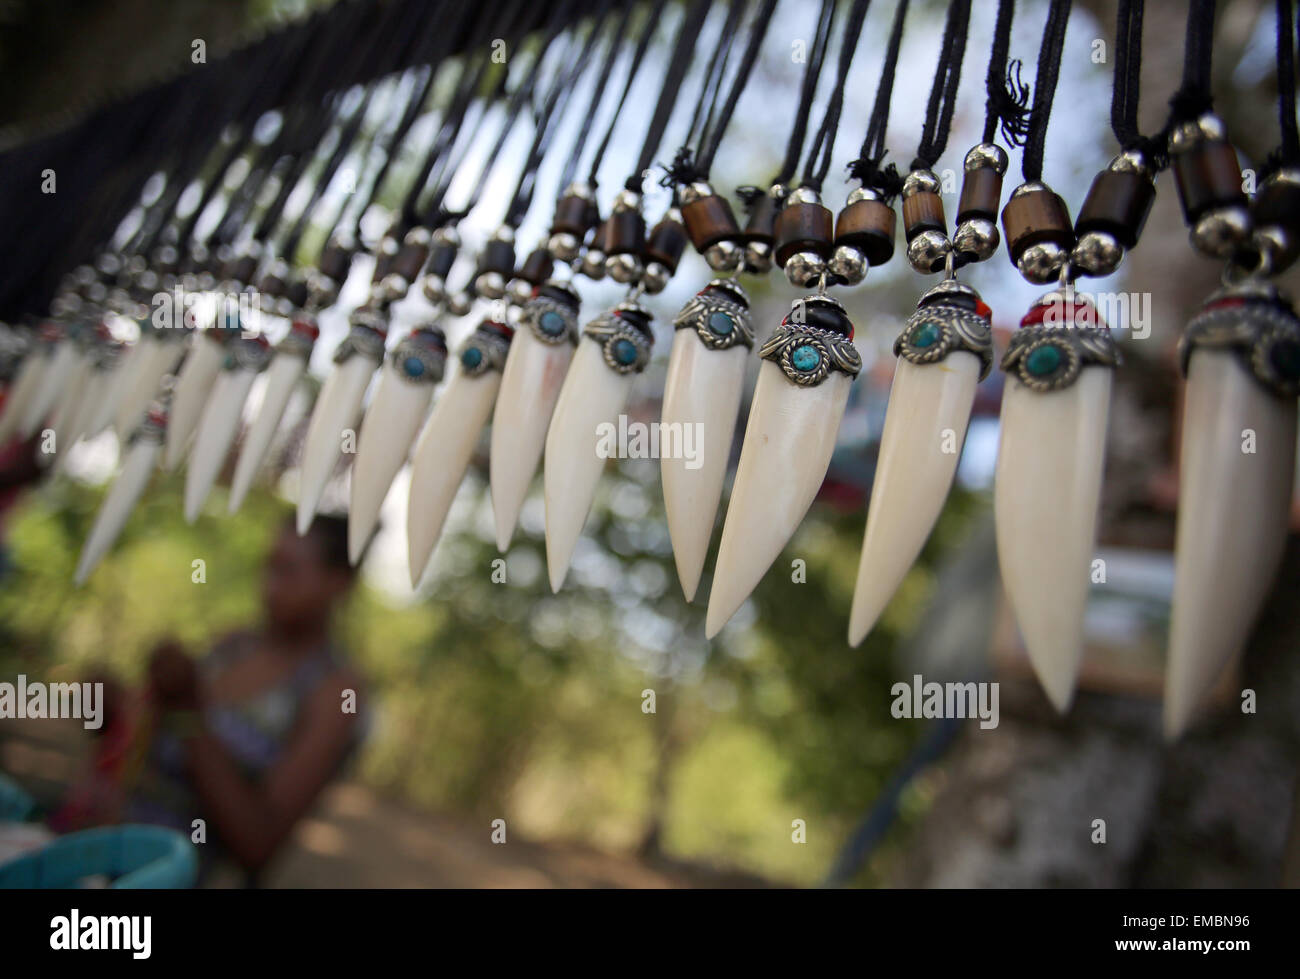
(945, 349)
(400, 403)
(809, 364)
(144, 446)
(158, 353)
(614, 349)
(338, 408)
(248, 357)
(530, 386)
(706, 374)
(288, 364)
(1048, 481)
(443, 451)
(207, 354)
(96, 377)
(1241, 355)
(27, 382)
(112, 366)
(64, 361)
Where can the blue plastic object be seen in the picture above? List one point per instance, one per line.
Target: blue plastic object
(15, 804)
(131, 856)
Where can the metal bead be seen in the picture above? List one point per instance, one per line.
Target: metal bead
(84, 275)
(920, 182)
(148, 280)
(490, 285)
(417, 236)
(593, 264)
(696, 191)
(985, 155)
(460, 304)
(625, 268)
(563, 247)
(504, 233)
(862, 194)
(96, 293)
(321, 290)
(928, 251)
(137, 264)
(803, 195)
(655, 278)
(804, 269)
(434, 288)
(1131, 161)
(724, 256)
(448, 236)
(1222, 231)
(519, 291)
(1277, 246)
(392, 287)
(848, 265)
(579, 188)
(977, 237)
(758, 258)
(1097, 253)
(1208, 128)
(627, 200)
(1042, 263)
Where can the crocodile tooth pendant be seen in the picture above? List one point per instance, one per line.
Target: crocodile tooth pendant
(68, 407)
(809, 364)
(615, 348)
(28, 381)
(85, 410)
(702, 392)
(1241, 355)
(208, 351)
(110, 367)
(945, 349)
(530, 386)
(140, 459)
(1048, 479)
(157, 354)
(338, 408)
(65, 360)
(443, 451)
(401, 401)
(247, 357)
(288, 364)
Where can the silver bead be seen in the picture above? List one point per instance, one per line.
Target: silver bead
(627, 200)
(166, 255)
(96, 293)
(977, 237)
(848, 265)
(861, 194)
(417, 236)
(1097, 253)
(1220, 232)
(108, 263)
(655, 277)
(985, 155)
(84, 275)
(803, 195)
(625, 268)
(928, 251)
(148, 280)
(804, 269)
(434, 288)
(724, 256)
(519, 291)
(1131, 161)
(1208, 128)
(490, 285)
(1277, 246)
(563, 247)
(459, 304)
(447, 236)
(321, 290)
(579, 188)
(593, 264)
(392, 287)
(1031, 187)
(921, 182)
(137, 264)
(758, 258)
(696, 191)
(504, 233)
(1041, 263)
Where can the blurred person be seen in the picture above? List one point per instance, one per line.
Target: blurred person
(247, 738)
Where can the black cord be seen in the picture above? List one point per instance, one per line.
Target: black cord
(1049, 69)
(811, 73)
(634, 66)
(1287, 153)
(1194, 97)
(1006, 97)
(868, 168)
(616, 39)
(743, 72)
(823, 145)
(943, 93)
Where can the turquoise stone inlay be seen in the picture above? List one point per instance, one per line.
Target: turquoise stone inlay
(413, 366)
(805, 358)
(471, 357)
(1044, 360)
(720, 323)
(625, 352)
(926, 335)
(551, 323)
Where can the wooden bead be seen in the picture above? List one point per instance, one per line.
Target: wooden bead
(242, 269)
(709, 220)
(1034, 217)
(761, 225)
(498, 256)
(1208, 176)
(335, 260)
(1278, 203)
(272, 285)
(410, 259)
(624, 233)
(868, 226)
(537, 266)
(296, 293)
(441, 258)
(666, 244)
(572, 214)
(923, 211)
(804, 227)
(981, 195)
(1117, 203)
